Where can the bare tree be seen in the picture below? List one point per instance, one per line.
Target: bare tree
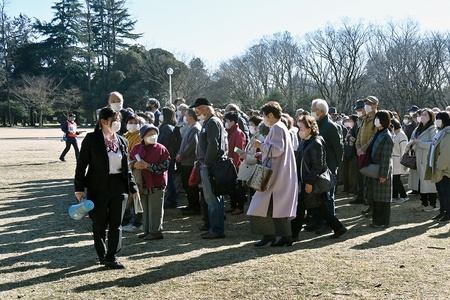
(36, 92)
(68, 100)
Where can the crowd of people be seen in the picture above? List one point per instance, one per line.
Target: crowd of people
(147, 159)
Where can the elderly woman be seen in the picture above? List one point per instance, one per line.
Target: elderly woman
(420, 142)
(311, 162)
(379, 190)
(400, 141)
(438, 166)
(272, 210)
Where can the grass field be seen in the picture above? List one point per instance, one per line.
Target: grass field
(46, 255)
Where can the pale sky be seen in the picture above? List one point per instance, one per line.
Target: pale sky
(217, 30)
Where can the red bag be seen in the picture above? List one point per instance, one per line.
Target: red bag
(194, 178)
(364, 160)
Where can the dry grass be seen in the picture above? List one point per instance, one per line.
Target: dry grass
(46, 255)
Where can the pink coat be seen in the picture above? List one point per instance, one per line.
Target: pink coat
(283, 183)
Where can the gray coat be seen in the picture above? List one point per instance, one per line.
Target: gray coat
(382, 154)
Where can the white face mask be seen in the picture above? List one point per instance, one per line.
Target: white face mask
(360, 114)
(314, 115)
(405, 121)
(377, 122)
(185, 119)
(227, 125)
(133, 127)
(71, 119)
(419, 119)
(424, 120)
(116, 106)
(201, 117)
(304, 134)
(347, 124)
(252, 129)
(178, 113)
(115, 126)
(438, 123)
(339, 122)
(368, 108)
(151, 139)
(161, 118)
(411, 114)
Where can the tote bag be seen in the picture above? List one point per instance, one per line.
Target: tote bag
(260, 179)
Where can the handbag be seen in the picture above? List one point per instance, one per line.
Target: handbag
(409, 160)
(324, 181)
(245, 171)
(194, 177)
(260, 179)
(223, 176)
(372, 171)
(364, 159)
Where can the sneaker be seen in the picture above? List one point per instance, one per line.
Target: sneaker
(131, 228)
(430, 208)
(439, 216)
(420, 207)
(402, 200)
(445, 219)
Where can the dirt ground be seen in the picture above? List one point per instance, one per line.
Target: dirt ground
(44, 254)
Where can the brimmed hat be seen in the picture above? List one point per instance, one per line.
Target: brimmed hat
(332, 110)
(414, 108)
(359, 104)
(371, 99)
(201, 101)
(146, 128)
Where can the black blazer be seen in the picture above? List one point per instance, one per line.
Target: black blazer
(93, 156)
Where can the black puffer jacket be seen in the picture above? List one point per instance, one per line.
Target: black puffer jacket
(311, 160)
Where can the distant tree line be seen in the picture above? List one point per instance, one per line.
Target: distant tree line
(88, 49)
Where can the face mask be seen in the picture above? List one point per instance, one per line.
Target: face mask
(405, 121)
(133, 127)
(184, 119)
(339, 122)
(116, 106)
(71, 119)
(303, 134)
(201, 117)
(252, 129)
(377, 122)
(115, 126)
(438, 123)
(424, 120)
(151, 139)
(368, 108)
(227, 125)
(161, 118)
(411, 114)
(314, 115)
(347, 124)
(178, 113)
(419, 119)
(359, 113)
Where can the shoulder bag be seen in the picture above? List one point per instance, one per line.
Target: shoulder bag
(260, 179)
(324, 182)
(371, 170)
(409, 159)
(223, 175)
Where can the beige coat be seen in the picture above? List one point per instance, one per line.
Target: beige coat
(422, 149)
(283, 183)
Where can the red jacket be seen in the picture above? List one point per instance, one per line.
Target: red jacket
(156, 154)
(236, 138)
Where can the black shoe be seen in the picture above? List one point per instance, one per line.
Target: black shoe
(186, 208)
(338, 232)
(284, 240)
(312, 227)
(368, 210)
(190, 212)
(143, 235)
(102, 260)
(440, 215)
(62, 159)
(114, 265)
(295, 238)
(170, 206)
(375, 226)
(323, 230)
(265, 240)
(445, 219)
(415, 192)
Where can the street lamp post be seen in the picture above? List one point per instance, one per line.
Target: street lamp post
(170, 72)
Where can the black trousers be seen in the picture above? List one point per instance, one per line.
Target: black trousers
(297, 223)
(381, 213)
(108, 212)
(397, 187)
(237, 196)
(192, 192)
(71, 141)
(350, 174)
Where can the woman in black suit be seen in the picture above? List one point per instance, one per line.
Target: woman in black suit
(108, 180)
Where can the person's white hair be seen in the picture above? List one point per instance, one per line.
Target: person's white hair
(320, 104)
(114, 97)
(447, 108)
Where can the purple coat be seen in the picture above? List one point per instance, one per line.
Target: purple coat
(283, 183)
